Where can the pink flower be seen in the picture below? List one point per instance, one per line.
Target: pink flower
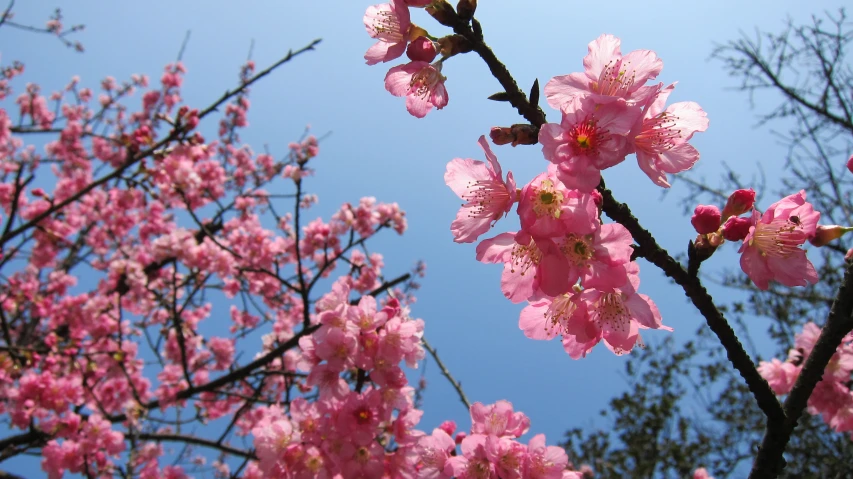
(547, 317)
(591, 137)
(779, 375)
(701, 473)
(660, 137)
(389, 23)
(522, 257)
(850, 164)
(614, 316)
(771, 250)
(487, 196)
(421, 83)
(544, 462)
(498, 419)
(473, 463)
(547, 208)
(433, 452)
(608, 76)
(706, 219)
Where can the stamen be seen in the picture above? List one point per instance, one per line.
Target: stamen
(547, 200)
(659, 133)
(578, 249)
(524, 256)
(779, 238)
(616, 79)
(558, 314)
(489, 198)
(612, 311)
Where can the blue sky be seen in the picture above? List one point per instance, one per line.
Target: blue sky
(377, 149)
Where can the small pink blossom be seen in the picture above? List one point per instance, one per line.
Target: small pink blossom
(498, 419)
(487, 195)
(660, 138)
(607, 76)
(591, 137)
(850, 164)
(544, 462)
(701, 473)
(389, 23)
(547, 208)
(772, 251)
(614, 316)
(421, 83)
(779, 375)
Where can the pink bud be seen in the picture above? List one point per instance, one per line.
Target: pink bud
(706, 219)
(448, 426)
(850, 164)
(460, 437)
(739, 203)
(824, 234)
(421, 49)
(38, 192)
(418, 3)
(597, 198)
(736, 228)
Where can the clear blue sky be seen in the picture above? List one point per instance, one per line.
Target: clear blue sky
(377, 149)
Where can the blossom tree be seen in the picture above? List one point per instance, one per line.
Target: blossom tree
(129, 232)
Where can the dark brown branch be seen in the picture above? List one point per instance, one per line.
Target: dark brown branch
(769, 462)
(737, 355)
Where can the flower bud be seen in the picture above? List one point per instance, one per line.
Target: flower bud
(466, 8)
(739, 203)
(824, 234)
(442, 12)
(736, 228)
(418, 3)
(501, 135)
(850, 164)
(459, 437)
(421, 49)
(448, 426)
(519, 134)
(706, 219)
(454, 45)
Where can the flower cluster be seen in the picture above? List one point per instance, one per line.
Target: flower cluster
(490, 449)
(420, 81)
(832, 398)
(574, 270)
(608, 111)
(771, 241)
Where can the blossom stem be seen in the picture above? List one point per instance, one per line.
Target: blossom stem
(456, 384)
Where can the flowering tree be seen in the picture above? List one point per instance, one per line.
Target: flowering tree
(577, 272)
(130, 242)
(125, 241)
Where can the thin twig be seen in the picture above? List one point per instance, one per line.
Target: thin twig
(456, 384)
